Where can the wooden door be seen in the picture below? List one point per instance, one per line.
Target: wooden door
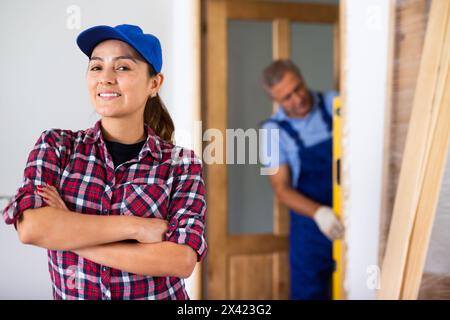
(245, 266)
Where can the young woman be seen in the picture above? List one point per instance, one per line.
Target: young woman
(120, 209)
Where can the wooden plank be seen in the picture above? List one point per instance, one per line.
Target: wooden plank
(259, 243)
(196, 277)
(299, 12)
(386, 179)
(281, 277)
(203, 103)
(336, 55)
(281, 39)
(410, 27)
(434, 171)
(251, 277)
(412, 172)
(280, 218)
(281, 49)
(216, 174)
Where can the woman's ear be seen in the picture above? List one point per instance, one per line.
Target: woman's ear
(160, 79)
(155, 84)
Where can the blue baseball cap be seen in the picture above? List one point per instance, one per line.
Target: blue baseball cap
(146, 44)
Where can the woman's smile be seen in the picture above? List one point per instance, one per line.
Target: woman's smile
(109, 95)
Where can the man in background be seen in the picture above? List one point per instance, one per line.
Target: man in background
(303, 177)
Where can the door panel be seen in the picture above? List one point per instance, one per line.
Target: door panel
(251, 276)
(250, 200)
(312, 50)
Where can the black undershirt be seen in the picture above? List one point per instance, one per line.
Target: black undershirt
(121, 152)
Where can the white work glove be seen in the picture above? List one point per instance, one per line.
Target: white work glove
(328, 223)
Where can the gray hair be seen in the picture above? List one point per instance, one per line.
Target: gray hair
(274, 72)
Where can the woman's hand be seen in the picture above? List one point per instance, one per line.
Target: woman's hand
(150, 230)
(146, 230)
(51, 197)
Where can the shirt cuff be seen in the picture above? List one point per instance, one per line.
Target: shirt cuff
(187, 236)
(17, 206)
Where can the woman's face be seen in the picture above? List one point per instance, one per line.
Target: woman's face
(118, 80)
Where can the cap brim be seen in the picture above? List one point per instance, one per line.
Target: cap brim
(88, 39)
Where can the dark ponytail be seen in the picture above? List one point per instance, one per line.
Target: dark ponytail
(157, 117)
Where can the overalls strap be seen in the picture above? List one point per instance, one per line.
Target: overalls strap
(323, 112)
(286, 127)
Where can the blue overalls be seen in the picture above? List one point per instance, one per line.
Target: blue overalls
(310, 252)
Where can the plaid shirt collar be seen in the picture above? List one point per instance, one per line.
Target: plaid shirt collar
(152, 144)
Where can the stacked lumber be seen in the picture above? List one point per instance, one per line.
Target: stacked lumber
(423, 164)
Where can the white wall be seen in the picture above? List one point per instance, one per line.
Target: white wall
(43, 86)
(366, 73)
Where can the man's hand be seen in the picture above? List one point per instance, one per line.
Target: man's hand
(51, 197)
(328, 223)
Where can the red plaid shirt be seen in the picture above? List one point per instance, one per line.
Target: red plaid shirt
(157, 183)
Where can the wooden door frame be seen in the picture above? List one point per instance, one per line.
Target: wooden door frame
(214, 84)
